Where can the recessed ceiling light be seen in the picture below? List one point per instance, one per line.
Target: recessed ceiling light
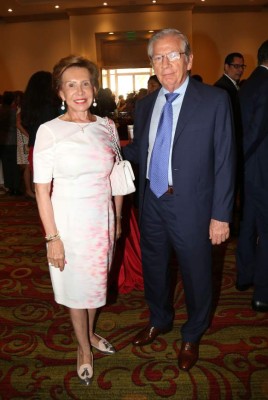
(151, 31)
(105, 4)
(57, 6)
(111, 33)
(10, 10)
(153, 1)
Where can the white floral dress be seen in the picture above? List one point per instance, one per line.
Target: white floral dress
(79, 162)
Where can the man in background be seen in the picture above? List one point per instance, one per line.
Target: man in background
(234, 67)
(252, 249)
(153, 84)
(233, 70)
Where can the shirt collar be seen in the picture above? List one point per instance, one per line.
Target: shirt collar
(234, 82)
(181, 90)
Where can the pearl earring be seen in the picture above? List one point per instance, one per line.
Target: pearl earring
(62, 105)
(94, 103)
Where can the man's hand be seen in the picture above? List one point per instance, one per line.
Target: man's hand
(219, 231)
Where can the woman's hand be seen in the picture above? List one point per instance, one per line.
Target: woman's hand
(56, 254)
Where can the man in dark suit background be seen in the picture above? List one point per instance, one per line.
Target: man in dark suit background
(196, 206)
(252, 249)
(234, 67)
(233, 70)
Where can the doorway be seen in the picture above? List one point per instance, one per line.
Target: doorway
(123, 81)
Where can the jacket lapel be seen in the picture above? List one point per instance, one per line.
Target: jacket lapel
(188, 109)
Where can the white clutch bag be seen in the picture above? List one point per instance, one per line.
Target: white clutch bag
(122, 176)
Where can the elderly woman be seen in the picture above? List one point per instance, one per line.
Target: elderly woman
(75, 151)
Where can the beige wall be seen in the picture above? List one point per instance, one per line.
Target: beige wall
(83, 28)
(28, 47)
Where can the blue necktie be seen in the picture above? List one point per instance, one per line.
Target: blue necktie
(158, 170)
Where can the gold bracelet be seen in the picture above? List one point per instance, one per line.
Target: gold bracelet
(52, 237)
(53, 240)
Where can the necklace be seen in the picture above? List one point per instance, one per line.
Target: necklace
(82, 128)
(85, 124)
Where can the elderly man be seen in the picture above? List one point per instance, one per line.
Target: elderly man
(183, 142)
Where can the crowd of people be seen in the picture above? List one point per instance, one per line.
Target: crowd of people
(200, 149)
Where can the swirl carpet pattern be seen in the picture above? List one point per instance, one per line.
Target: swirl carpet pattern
(38, 347)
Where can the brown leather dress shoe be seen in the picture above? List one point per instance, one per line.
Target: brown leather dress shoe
(188, 355)
(147, 335)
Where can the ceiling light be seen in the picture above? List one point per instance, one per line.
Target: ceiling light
(105, 4)
(111, 33)
(153, 1)
(10, 10)
(57, 6)
(151, 31)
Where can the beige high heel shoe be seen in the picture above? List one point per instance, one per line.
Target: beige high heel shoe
(85, 371)
(104, 346)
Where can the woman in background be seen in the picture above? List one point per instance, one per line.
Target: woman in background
(75, 150)
(23, 150)
(39, 105)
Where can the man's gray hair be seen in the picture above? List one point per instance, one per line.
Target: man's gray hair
(169, 32)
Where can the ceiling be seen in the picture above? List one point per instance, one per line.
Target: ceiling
(24, 9)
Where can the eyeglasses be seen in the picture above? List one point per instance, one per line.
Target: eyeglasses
(172, 56)
(237, 66)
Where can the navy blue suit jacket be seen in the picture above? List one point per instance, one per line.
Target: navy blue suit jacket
(203, 156)
(253, 98)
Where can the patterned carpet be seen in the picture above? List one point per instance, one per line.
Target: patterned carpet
(38, 348)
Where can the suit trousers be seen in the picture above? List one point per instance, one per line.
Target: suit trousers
(160, 232)
(252, 249)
